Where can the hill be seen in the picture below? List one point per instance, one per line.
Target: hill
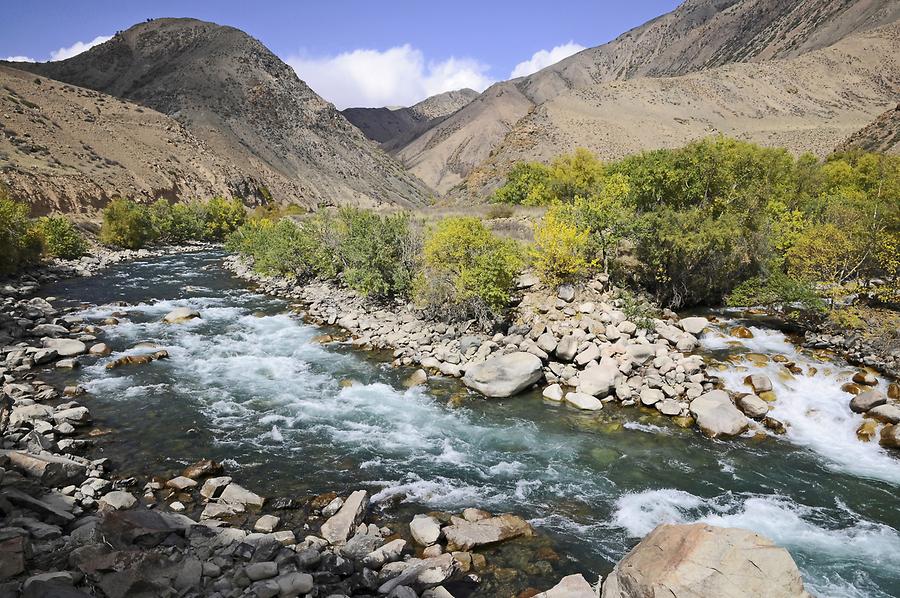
(247, 106)
(699, 34)
(881, 135)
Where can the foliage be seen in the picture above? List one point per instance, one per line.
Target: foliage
(467, 270)
(500, 211)
(222, 217)
(560, 248)
(637, 310)
(776, 288)
(60, 238)
(126, 224)
(20, 244)
(527, 184)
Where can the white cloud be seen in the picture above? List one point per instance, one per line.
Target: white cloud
(78, 48)
(19, 59)
(544, 58)
(398, 76)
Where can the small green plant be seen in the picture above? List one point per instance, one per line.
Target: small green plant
(637, 310)
(500, 211)
(60, 238)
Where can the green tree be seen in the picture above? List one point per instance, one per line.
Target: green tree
(60, 238)
(126, 224)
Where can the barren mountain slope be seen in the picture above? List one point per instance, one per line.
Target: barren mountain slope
(247, 105)
(698, 34)
(810, 103)
(881, 135)
(387, 125)
(68, 149)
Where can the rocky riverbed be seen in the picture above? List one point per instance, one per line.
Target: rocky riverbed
(80, 520)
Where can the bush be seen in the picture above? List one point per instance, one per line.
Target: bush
(500, 211)
(222, 217)
(20, 243)
(560, 248)
(468, 271)
(637, 310)
(126, 224)
(776, 288)
(528, 183)
(60, 238)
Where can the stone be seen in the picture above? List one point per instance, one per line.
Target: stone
(504, 375)
(554, 392)
(590, 354)
(669, 407)
(566, 292)
(640, 352)
(547, 342)
(266, 524)
(240, 496)
(703, 560)
(202, 468)
(758, 383)
(65, 347)
(117, 500)
(567, 347)
(420, 575)
(527, 280)
(867, 400)
(418, 378)
(651, 396)
(388, 553)
(425, 529)
(466, 535)
(181, 314)
(51, 470)
(294, 584)
(598, 380)
(77, 416)
(215, 511)
(717, 416)
(865, 378)
(753, 406)
(741, 332)
(584, 401)
(213, 487)
(890, 436)
(100, 349)
(694, 325)
(339, 526)
(14, 549)
(888, 414)
(571, 586)
(264, 570)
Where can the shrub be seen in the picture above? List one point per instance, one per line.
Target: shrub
(560, 248)
(528, 183)
(468, 271)
(126, 224)
(60, 238)
(776, 288)
(222, 217)
(20, 244)
(637, 310)
(500, 211)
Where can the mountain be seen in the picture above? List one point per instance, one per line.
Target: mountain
(247, 106)
(390, 126)
(699, 34)
(69, 149)
(806, 104)
(881, 135)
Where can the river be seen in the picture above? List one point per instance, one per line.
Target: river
(248, 386)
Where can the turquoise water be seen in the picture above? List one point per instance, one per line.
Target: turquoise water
(247, 386)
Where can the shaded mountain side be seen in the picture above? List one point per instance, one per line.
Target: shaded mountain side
(699, 34)
(809, 103)
(881, 135)
(387, 125)
(248, 106)
(69, 149)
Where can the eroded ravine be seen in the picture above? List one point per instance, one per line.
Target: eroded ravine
(256, 392)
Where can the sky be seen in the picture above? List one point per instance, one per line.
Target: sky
(355, 52)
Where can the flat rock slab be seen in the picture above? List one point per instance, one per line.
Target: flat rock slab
(466, 535)
(572, 586)
(65, 347)
(339, 527)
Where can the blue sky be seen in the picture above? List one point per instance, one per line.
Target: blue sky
(356, 52)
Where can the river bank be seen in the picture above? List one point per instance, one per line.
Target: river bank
(410, 417)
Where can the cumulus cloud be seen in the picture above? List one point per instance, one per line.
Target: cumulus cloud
(398, 76)
(544, 58)
(78, 48)
(19, 59)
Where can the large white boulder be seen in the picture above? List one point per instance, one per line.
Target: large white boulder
(717, 416)
(571, 586)
(599, 380)
(504, 375)
(181, 314)
(65, 347)
(693, 325)
(702, 560)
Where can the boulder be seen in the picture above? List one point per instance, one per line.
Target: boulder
(583, 401)
(213, 487)
(867, 400)
(651, 396)
(100, 349)
(567, 347)
(339, 526)
(639, 352)
(239, 496)
(890, 436)
(117, 500)
(889, 414)
(717, 416)
(425, 529)
(598, 380)
(181, 314)
(758, 383)
(669, 407)
(566, 293)
(466, 535)
(693, 325)
(417, 378)
(547, 342)
(701, 560)
(422, 574)
(201, 468)
(554, 392)
(65, 347)
(504, 375)
(753, 406)
(572, 586)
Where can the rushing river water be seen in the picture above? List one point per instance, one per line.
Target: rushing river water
(247, 385)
